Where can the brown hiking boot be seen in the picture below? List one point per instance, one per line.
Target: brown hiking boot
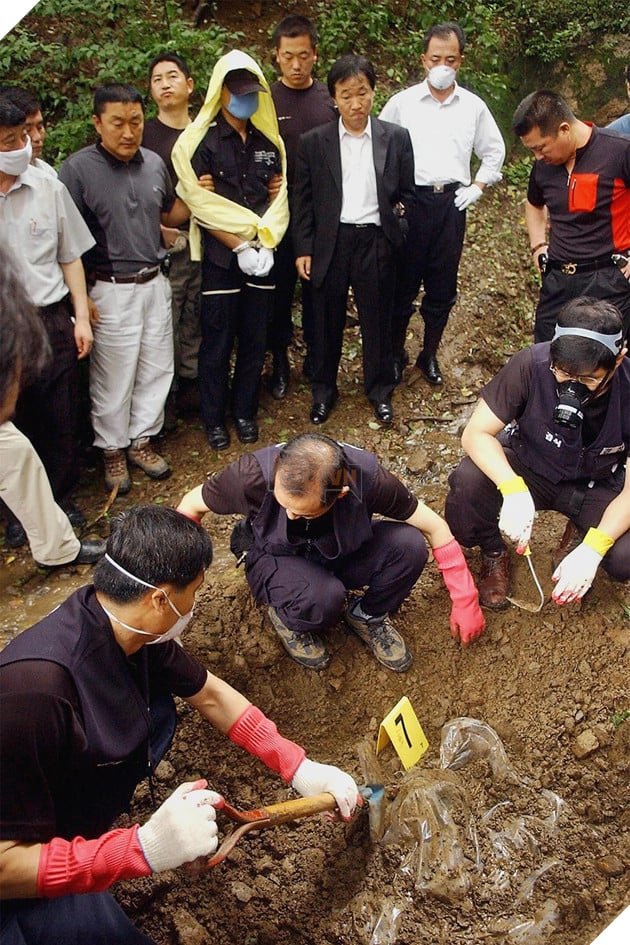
(494, 579)
(116, 472)
(570, 540)
(142, 454)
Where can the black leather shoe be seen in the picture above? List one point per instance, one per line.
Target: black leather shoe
(430, 368)
(90, 552)
(218, 438)
(384, 412)
(246, 430)
(280, 375)
(14, 535)
(319, 413)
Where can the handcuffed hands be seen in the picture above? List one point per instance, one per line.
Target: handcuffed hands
(265, 261)
(517, 512)
(466, 196)
(313, 778)
(182, 829)
(247, 259)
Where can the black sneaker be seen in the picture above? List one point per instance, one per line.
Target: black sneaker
(381, 637)
(14, 535)
(305, 648)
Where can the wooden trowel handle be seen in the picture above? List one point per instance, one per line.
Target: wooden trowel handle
(301, 807)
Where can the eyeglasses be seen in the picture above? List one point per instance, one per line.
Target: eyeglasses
(592, 383)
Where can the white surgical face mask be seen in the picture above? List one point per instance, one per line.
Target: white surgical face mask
(178, 627)
(441, 77)
(15, 163)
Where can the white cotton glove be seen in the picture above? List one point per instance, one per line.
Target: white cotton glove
(265, 261)
(517, 512)
(312, 778)
(466, 196)
(247, 258)
(575, 573)
(182, 829)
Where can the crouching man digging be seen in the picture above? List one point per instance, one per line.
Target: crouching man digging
(309, 505)
(566, 446)
(87, 712)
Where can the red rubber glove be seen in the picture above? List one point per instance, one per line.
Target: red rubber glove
(467, 619)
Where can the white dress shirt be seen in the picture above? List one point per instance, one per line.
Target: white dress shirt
(360, 200)
(445, 134)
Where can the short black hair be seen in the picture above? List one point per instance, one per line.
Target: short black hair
(443, 31)
(312, 458)
(544, 110)
(116, 92)
(579, 355)
(156, 544)
(179, 61)
(348, 66)
(24, 348)
(25, 100)
(10, 115)
(292, 26)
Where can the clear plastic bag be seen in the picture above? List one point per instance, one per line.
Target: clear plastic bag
(465, 740)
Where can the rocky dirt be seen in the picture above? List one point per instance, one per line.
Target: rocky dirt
(523, 849)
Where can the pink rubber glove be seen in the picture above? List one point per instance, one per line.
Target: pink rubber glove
(467, 619)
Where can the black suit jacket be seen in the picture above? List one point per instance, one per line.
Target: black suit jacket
(318, 190)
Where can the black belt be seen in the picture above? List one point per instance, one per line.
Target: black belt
(437, 188)
(145, 275)
(362, 226)
(587, 265)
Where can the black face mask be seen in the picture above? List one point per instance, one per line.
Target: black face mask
(572, 397)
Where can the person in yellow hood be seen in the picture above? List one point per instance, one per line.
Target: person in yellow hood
(231, 166)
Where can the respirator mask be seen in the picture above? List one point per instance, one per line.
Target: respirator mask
(572, 397)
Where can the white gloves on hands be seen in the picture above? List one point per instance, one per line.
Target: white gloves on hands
(517, 518)
(312, 778)
(265, 261)
(575, 573)
(466, 196)
(182, 829)
(247, 259)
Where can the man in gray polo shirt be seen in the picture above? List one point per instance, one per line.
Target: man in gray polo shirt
(124, 193)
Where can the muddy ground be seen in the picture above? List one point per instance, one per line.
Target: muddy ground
(529, 850)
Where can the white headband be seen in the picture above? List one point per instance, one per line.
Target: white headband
(612, 342)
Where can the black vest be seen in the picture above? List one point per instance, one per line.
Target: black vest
(100, 777)
(352, 524)
(557, 452)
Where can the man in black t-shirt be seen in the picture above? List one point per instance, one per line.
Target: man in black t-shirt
(551, 431)
(310, 538)
(302, 103)
(171, 86)
(87, 712)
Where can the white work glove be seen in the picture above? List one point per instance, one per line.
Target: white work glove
(517, 512)
(466, 196)
(312, 778)
(575, 573)
(182, 829)
(265, 261)
(247, 258)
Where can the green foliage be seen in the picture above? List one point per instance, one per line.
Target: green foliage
(87, 44)
(618, 718)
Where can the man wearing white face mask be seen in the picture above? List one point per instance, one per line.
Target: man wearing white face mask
(43, 231)
(234, 150)
(447, 124)
(88, 710)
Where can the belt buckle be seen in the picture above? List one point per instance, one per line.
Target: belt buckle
(569, 269)
(438, 188)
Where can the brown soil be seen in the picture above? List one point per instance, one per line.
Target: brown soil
(546, 683)
(554, 857)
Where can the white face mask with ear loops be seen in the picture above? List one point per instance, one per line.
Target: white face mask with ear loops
(15, 163)
(441, 77)
(178, 627)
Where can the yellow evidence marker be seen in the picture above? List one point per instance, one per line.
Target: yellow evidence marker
(402, 728)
